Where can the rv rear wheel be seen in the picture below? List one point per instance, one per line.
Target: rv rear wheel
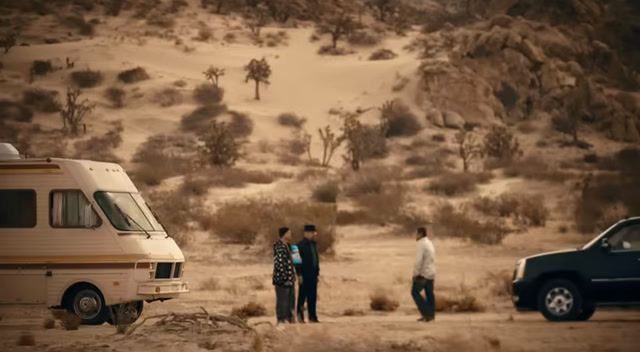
(87, 303)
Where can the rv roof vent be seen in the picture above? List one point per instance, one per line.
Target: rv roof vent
(8, 152)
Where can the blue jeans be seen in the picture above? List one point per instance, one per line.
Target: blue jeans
(427, 307)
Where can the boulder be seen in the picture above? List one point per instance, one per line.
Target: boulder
(436, 118)
(453, 120)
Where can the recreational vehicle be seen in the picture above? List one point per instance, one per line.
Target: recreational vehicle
(77, 234)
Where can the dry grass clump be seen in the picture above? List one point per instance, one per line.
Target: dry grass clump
(289, 119)
(528, 209)
(26, 339)
(461, 301)
(178, 212)
(70, 321)
(116, 96)
(208, 94)
(41, 67)
(382, 54)
(200, 119)
(48, 323)
(80, 24)
(210, 284)
(381, 302)
(162, 156)
(250, 220)
(41, 100)
(452, 222)
(350, 312)
(453, 183)
(534, 168)
(100, 148)
(326, 192)
(250, 310)
(338, 51)
(133, 75)
(364, 37)
(274, 39)
(199, 183)
(240, 124)
(500, 283)
(87, 78)
(352, 217)
(399, 120)
(167, 97)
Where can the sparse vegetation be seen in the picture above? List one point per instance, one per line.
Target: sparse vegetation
(398, 119)
(210, 284)
(220, 145)
(468, 148)
(258, 71)
(382, 54)
(26, 339)
(100, 148)
(364, 142)
(453, 222)
(326, 192)
(199, 119)
(528, 209)
(337, 25)
(380, 301)
(208, 94)
(501, 144)
(164, 156)
(116, 96)
(461, 301)
(41, 68)
(87, 78)
(133, 75)
(168, 97)
(14, 111)
(250, 310)
(240, 125)
(41, 100)
(80, 24)
(256, 18)
(213, 74)
(8, 41)
(451, 184)
(289, 119)
(48, 323)
(74, 112)
(330, 142)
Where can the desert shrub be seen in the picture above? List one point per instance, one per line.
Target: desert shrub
(399, 120)
(451, 184)
(249, 220)
(611, 214)
(250, 310)
(14, 111)
(364, 142)
(26, 339)
(274, 39)
(240, 125)
(133, 75)
(290, 119)
(501, 144)
(385, 206)
(221, 147)
(326, 192)
(382, 54)
(80, 24)
(100, 148)
(591, 158)
(178, 213)
(204, 34)
(500, 283)
(452, 222)
(162, 156)
(48, 323)
(380, 301)
(41, 100)
(532, 210)
(200, 182)
(534, 168)
(167, 97)
(367, 182)
(347, 217)
(528, 209)
(161, 20)
(210, 284)
(208, 94)
(350, 312)
(87, 78)
(364, 37)
(71, 321)
(115, 96)
(330, 50)
(461, 301)
(199, 119)
(41, 67)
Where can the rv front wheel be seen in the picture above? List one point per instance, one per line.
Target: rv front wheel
(87, 303)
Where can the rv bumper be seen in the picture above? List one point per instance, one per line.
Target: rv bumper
(163, 289)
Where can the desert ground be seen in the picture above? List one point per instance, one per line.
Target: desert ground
(507, 132)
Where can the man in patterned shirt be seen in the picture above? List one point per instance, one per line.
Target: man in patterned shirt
(284, 277)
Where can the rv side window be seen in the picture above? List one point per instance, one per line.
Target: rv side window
(70, 208)
(17, 208)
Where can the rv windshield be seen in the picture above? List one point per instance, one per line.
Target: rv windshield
(128, 211)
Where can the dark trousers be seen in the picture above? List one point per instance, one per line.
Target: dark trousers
(285, 303)
(308, 292)
(427, 307)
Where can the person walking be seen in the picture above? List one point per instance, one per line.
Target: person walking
(284, 277)
(308, 273)
(424, 274)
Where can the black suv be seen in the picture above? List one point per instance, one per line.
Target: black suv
(568, 285)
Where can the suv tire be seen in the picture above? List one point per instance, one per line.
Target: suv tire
(560, 300)
(588, 308)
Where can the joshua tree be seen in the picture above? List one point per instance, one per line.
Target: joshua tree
(330, 142)
(258, 71)
(213, 74)
(363, 141)
(74, 111)
(468, 148)
(256, 18)
(501, 144)
(8, 41)
(220, 146)
(338, 26)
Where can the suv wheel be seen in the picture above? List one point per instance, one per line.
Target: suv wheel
(87, 303)
(560, 300)
(587, 311)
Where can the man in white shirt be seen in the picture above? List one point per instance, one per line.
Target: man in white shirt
(424, 275)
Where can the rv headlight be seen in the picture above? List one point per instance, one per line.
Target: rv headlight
(520, 266)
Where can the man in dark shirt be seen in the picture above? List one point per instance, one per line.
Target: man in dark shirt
(308, 273)
(284, 277)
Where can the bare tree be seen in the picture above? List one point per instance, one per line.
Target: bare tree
(8, 41)
(330, 142)
(213, 74)
(256, 18)
(258, 71)
(75, 111)
(468, 148)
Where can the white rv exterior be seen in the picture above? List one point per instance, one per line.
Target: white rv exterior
(77, 234)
